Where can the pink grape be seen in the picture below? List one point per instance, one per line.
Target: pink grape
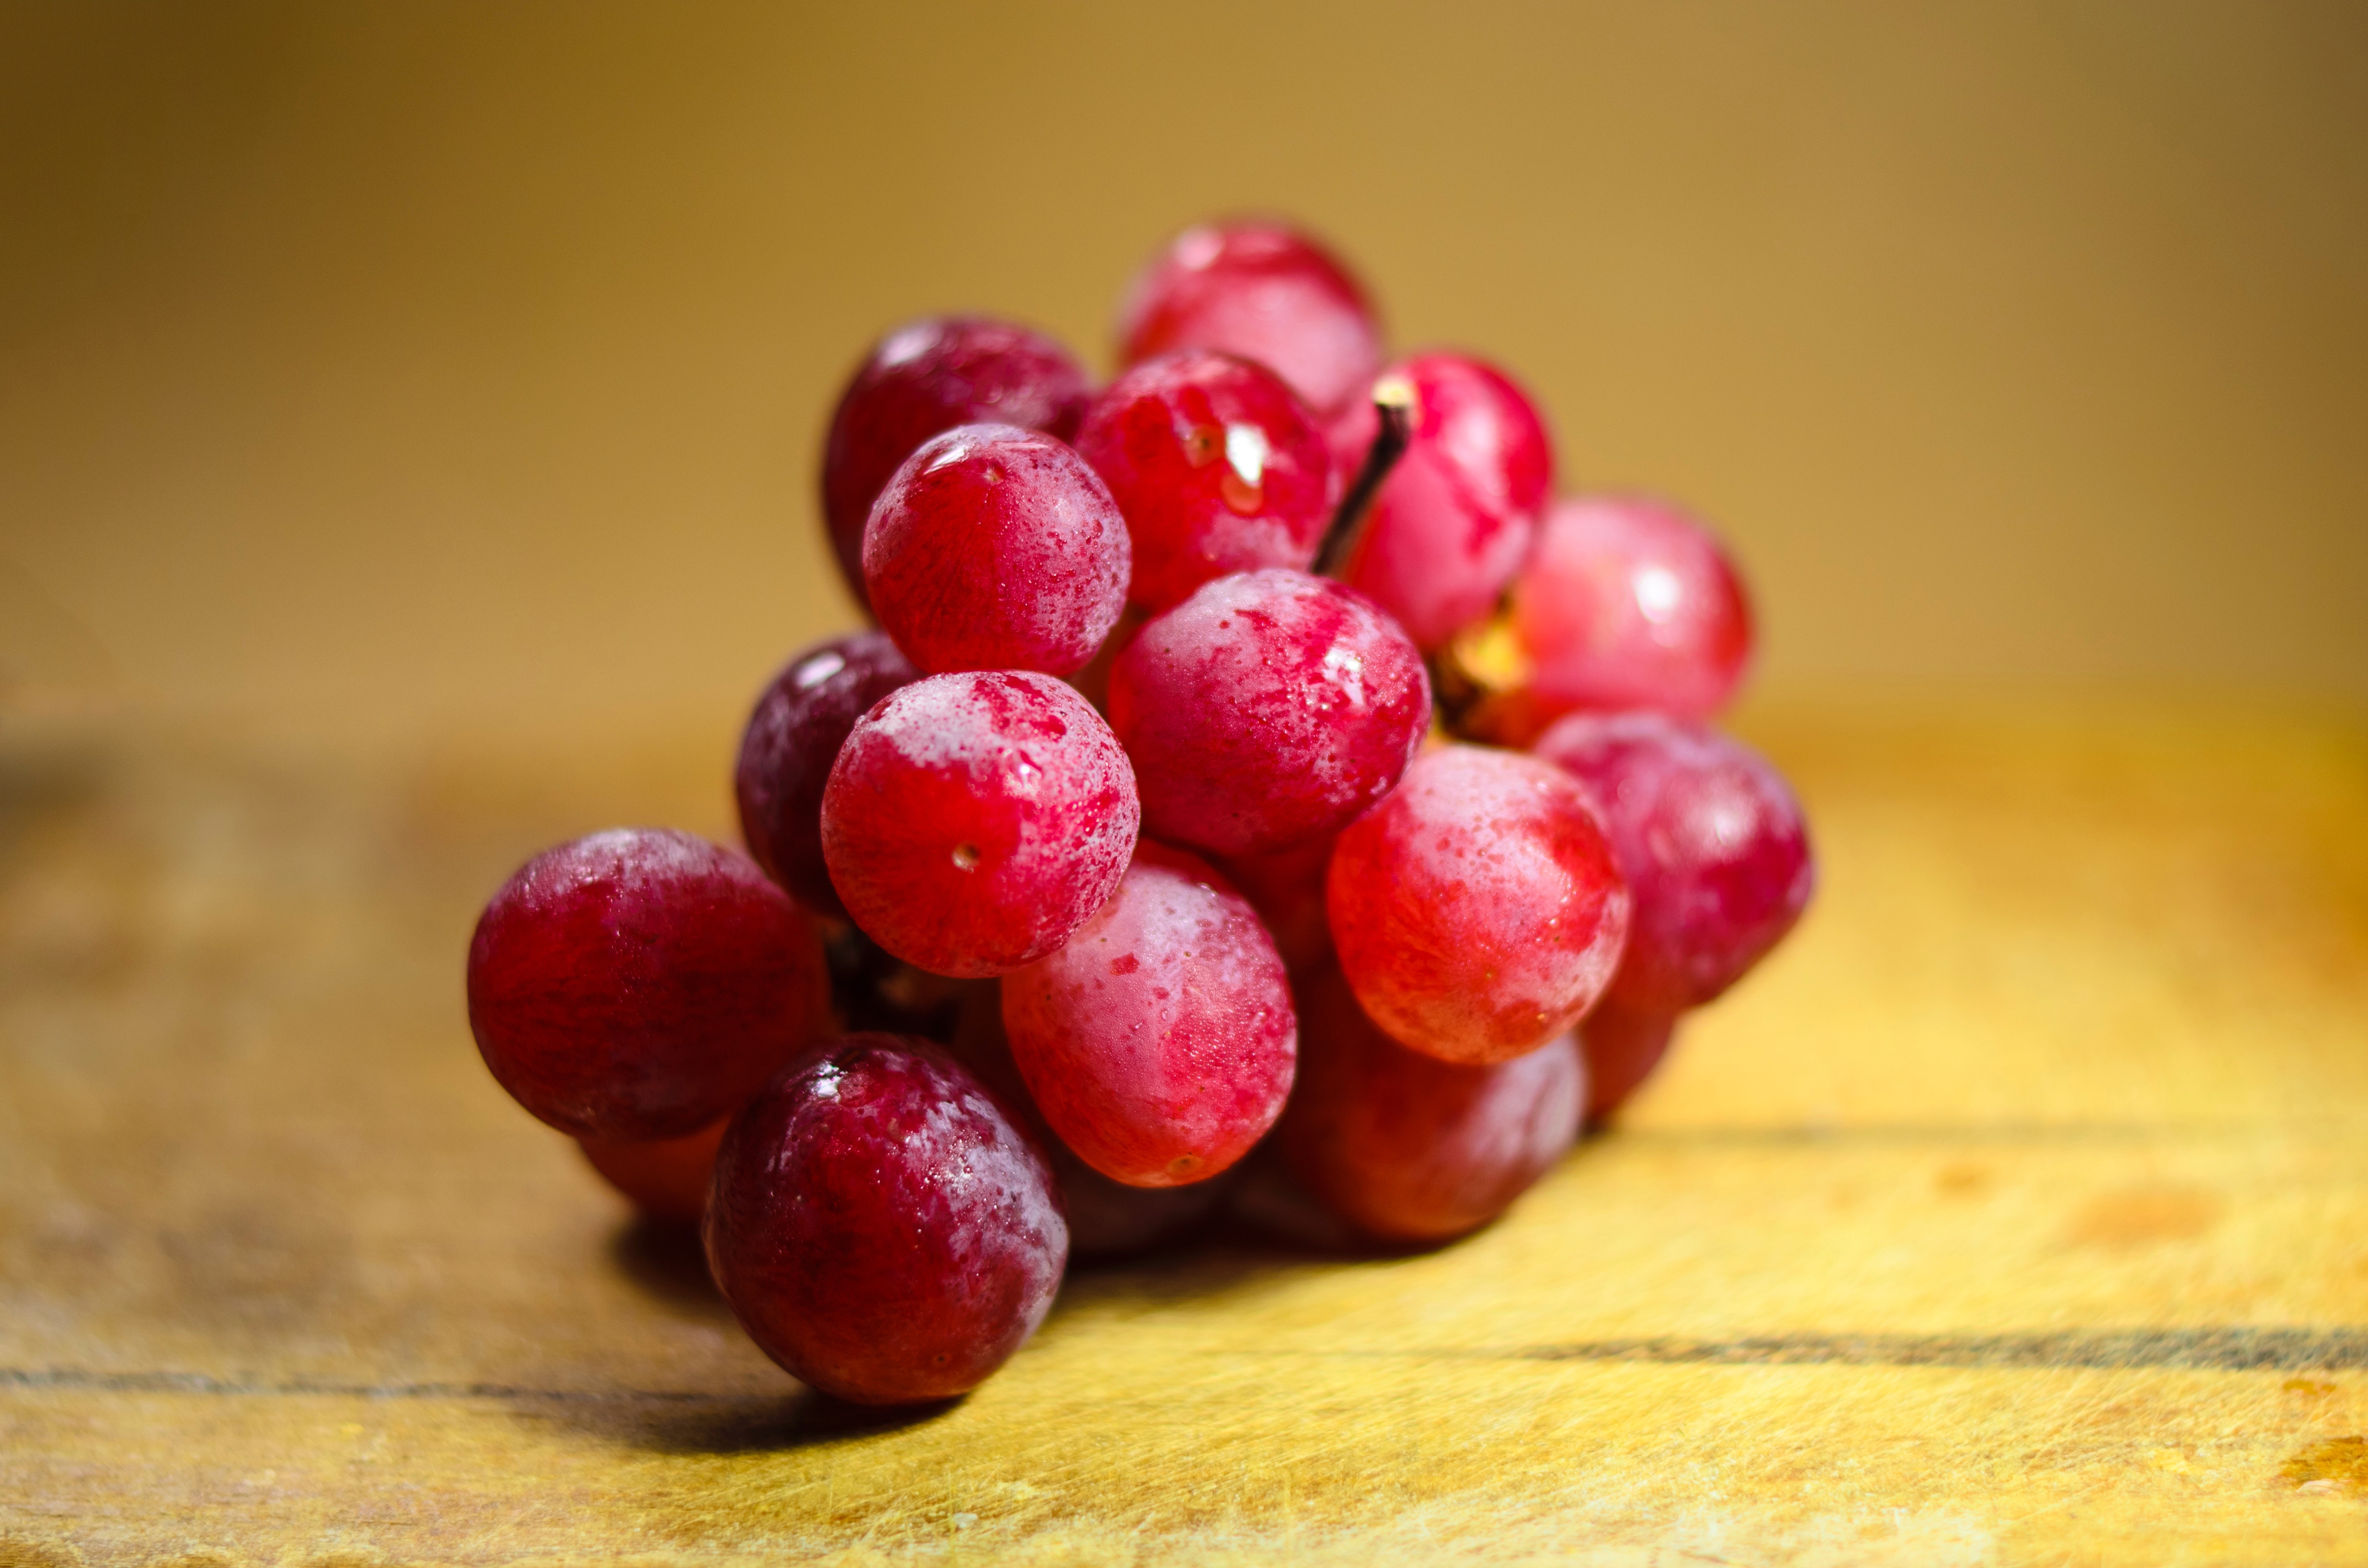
(1107, 1218)
(996, 548)
(1623, 1045)
(1409, 1148)
(879, 1227)
(1453, 521)
(1286, 888)
(1158, 1043)
(640, 984)
(1629, 603)
(1266, 709)
(930, 376)
(972, 822)
(1217, 466)
(793, 736)
(1477, 912)
(1710, 838)
(1264, 292)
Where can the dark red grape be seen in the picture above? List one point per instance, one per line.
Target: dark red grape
(995, 548)
(1107, 1218)
(1623, 1045)
(1407, 1147)
(1268, 709)
(641, 983)
(1264, 292)
(1477, 912)
(1217, 466)
(1286, 888)
(666, 1179)
(1627, 603)
(785, 755)
(927, 376)
(879, 1227)
(1158, 1043)
(1452, 522)
(973, 821)
(1709, 839)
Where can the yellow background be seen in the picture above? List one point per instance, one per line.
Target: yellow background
(387, 371)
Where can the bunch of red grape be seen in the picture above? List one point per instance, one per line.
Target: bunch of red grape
(1254, 753)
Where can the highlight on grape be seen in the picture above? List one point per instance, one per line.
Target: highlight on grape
(1263, 795)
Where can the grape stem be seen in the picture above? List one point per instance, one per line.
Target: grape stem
(1394, 402)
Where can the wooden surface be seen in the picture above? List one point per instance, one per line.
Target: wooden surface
(2016, 1213)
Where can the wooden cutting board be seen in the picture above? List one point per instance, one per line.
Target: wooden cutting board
(2017, 1211)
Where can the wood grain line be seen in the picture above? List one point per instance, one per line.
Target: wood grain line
(2215, 1349)
(2194, 1349)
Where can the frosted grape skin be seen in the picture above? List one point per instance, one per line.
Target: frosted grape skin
(1477, 912)
(879, 1226)
(1265, 292)
(1455, 519)
(973, 821)
(1217, 467)
(1710, 838)
(638, 983)
(994, 548)
(1158, 1041)
(1107, 1218)
(1628, 603)
(1407, 1147)
(1267, 709)
(925, 377)
(792, 737)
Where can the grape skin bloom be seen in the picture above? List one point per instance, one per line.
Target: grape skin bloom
(1478, 912)
(972, 822)
(1267, 709)
(925, 377)
(1159, 1042)
(1408, 1148)
(639, 984)
(879, 1227)
(793, 736)
(1217, 466)
(1264, 292)
(1710, 838)
(995, 548)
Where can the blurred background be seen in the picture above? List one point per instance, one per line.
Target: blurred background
(379, 374)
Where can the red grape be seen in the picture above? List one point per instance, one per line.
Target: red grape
(1411, 1148)
(1630, 603)
(1107, 1218)
(879, 1227)
(996, 548)
(1477, 912)
(639, 984)
(1623, 1045)
(1158, 1043)
(1268, 709)
(1264, 292)
(785, 755)
(973, 821)
(1709, 839)
(930, 376)
(666, 1179)
(1286, 888)
(1452, 522)
(1217, 466)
